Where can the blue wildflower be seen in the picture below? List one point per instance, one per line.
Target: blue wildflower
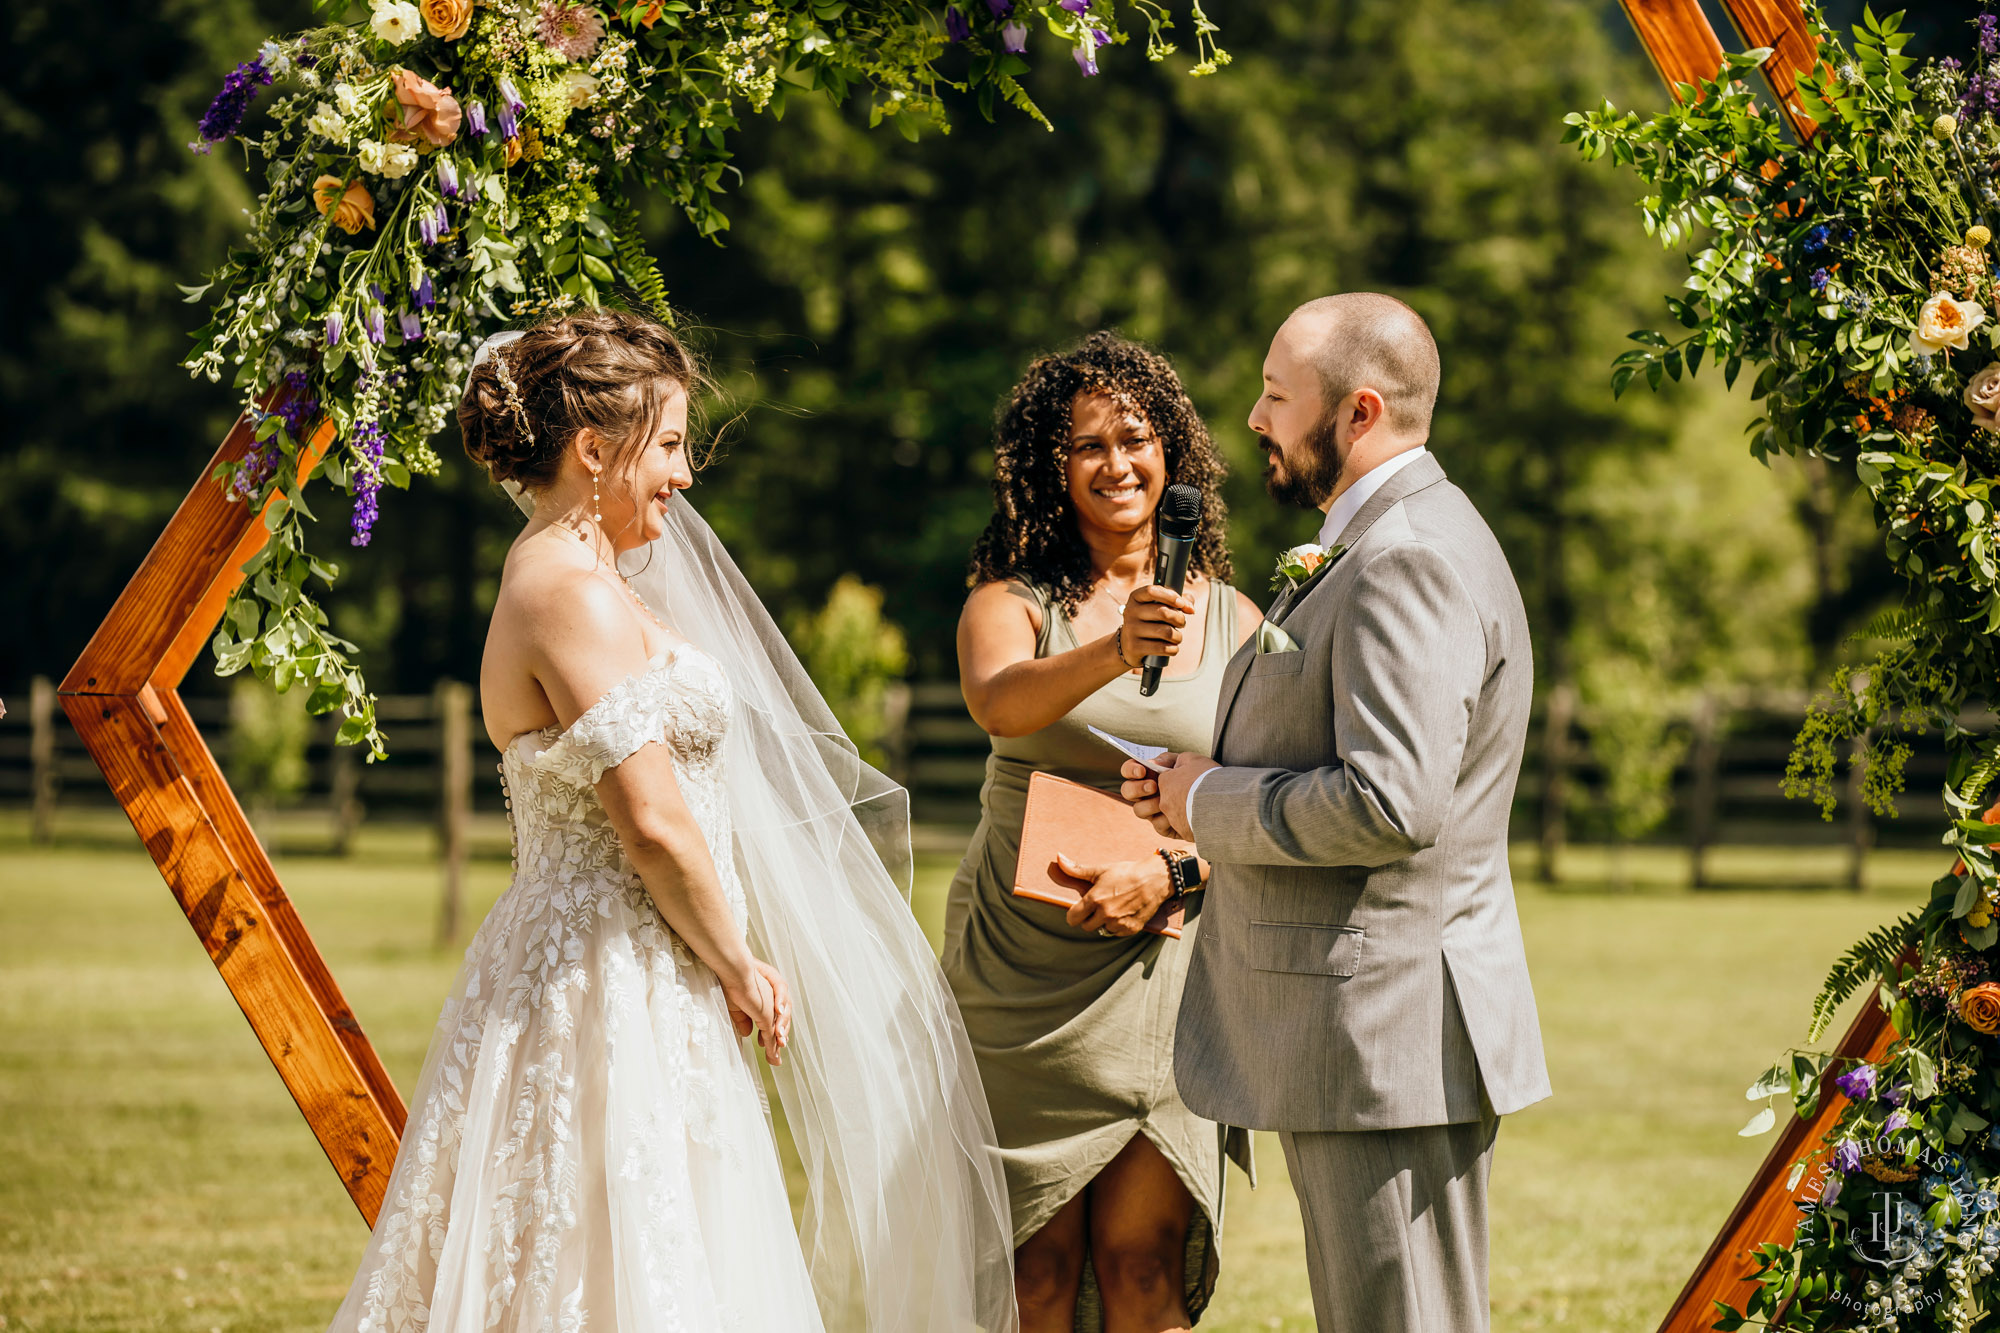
(1820, 278)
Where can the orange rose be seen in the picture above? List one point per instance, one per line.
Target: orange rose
(427, 112)
(353, 208)
(650, 15)
(1979, 1006)
(446, 18)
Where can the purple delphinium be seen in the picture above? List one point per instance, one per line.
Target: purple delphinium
(956, 29)
(475, 119)
(412, 326)
(299, 406)
(423, 295)
(1014, 36)
(1086, 59)
(1847, 1155)
(333, 328)
(1001, 8)
(1858, 1083)
(368, 443)
(225, 114)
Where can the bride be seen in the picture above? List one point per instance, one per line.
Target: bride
(699, 854)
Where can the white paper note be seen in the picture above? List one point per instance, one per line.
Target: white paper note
(1145, 754)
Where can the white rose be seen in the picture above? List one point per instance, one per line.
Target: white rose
(1945, 322)
(371, 156)
(580, 88)
(1982, 395)
(398, 159)
(346, 98)
(396, 21)
(327, 123)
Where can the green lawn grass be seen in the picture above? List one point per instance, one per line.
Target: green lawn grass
(154, 1175)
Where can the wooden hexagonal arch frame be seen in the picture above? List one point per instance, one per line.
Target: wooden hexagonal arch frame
(122, 697)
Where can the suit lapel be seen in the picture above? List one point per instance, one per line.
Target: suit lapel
(1420, 475)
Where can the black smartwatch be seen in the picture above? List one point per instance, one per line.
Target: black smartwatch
(1183, 870)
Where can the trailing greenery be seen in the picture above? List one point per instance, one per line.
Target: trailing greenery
(1851, 271)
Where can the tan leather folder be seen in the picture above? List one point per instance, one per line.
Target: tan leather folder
(1090, 826)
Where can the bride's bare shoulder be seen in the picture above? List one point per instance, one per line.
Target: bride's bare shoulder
(550, 599)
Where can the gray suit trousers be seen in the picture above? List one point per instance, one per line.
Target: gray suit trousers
(1396, 1226)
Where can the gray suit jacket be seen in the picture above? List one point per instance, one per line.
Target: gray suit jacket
(1360, 963)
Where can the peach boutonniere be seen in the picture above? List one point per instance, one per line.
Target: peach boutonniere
(1301, 565)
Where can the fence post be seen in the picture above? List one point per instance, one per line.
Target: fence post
(344, 783)
(45, 780)
(1705, 764)
(1860, 828)
(454, 714)
(1555, 777)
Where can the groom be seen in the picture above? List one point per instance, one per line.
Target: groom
(1359, 984)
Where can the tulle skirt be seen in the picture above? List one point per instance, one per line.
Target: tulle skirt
(589, 1146)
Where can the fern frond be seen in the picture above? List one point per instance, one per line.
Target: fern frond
(636, 263)
(1860, 965)
(1981, 776)
(1898, 624)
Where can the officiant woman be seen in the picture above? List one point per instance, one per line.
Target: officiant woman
(1116, 1185)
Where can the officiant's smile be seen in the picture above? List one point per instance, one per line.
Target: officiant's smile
(1116, 472)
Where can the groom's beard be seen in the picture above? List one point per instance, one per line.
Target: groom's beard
(1311, 472)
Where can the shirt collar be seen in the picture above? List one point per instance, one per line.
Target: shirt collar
(1349, 504)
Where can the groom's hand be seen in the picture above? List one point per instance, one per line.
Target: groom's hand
(1163, 798)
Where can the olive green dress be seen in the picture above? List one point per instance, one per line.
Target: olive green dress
(1074, 1033)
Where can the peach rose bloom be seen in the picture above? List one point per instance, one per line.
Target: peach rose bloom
(446, 18)
(353, 208)
(1946, 322)
(1980, 1008)
(429, 113)
(1982, 395)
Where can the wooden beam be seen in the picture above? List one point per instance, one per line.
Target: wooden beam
(242, 939)
(1780, 25)
(1678, 37)
(1768, 1211)
(121, 696)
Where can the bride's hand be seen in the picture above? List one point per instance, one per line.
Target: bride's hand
(764, 1003)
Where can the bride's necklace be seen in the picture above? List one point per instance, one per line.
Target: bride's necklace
(624, 582)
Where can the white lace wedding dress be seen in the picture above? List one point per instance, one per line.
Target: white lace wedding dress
(590, 1147)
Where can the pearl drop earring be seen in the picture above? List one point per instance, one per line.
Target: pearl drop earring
(596, 504)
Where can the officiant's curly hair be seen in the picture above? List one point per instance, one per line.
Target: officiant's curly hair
(1033, 534)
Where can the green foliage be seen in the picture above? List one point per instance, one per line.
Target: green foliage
(854, 655)
(268, 733)
(1871, 959)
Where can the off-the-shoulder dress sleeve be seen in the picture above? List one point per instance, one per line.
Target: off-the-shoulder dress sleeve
(631, 715)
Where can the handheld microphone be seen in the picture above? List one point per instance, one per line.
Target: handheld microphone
(1179, 521)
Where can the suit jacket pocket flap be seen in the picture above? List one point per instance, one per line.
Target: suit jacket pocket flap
(1289, 946)
(1287, 663)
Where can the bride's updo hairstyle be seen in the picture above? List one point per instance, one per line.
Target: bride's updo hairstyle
(604, 369)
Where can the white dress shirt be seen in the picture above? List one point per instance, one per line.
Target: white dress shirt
(1338, 515)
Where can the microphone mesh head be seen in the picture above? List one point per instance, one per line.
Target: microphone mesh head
(1180, 510)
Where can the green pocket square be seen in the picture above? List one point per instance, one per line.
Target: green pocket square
(1273, 639)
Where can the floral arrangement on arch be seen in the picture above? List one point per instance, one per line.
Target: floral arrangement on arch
(437, 171)
(1853, 270)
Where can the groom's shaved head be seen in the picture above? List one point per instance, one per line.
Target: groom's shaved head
(1360, 340)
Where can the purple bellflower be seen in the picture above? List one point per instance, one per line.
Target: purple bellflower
(475, 119)
(1014, 36)
(956, 29)
(1858, 1083)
